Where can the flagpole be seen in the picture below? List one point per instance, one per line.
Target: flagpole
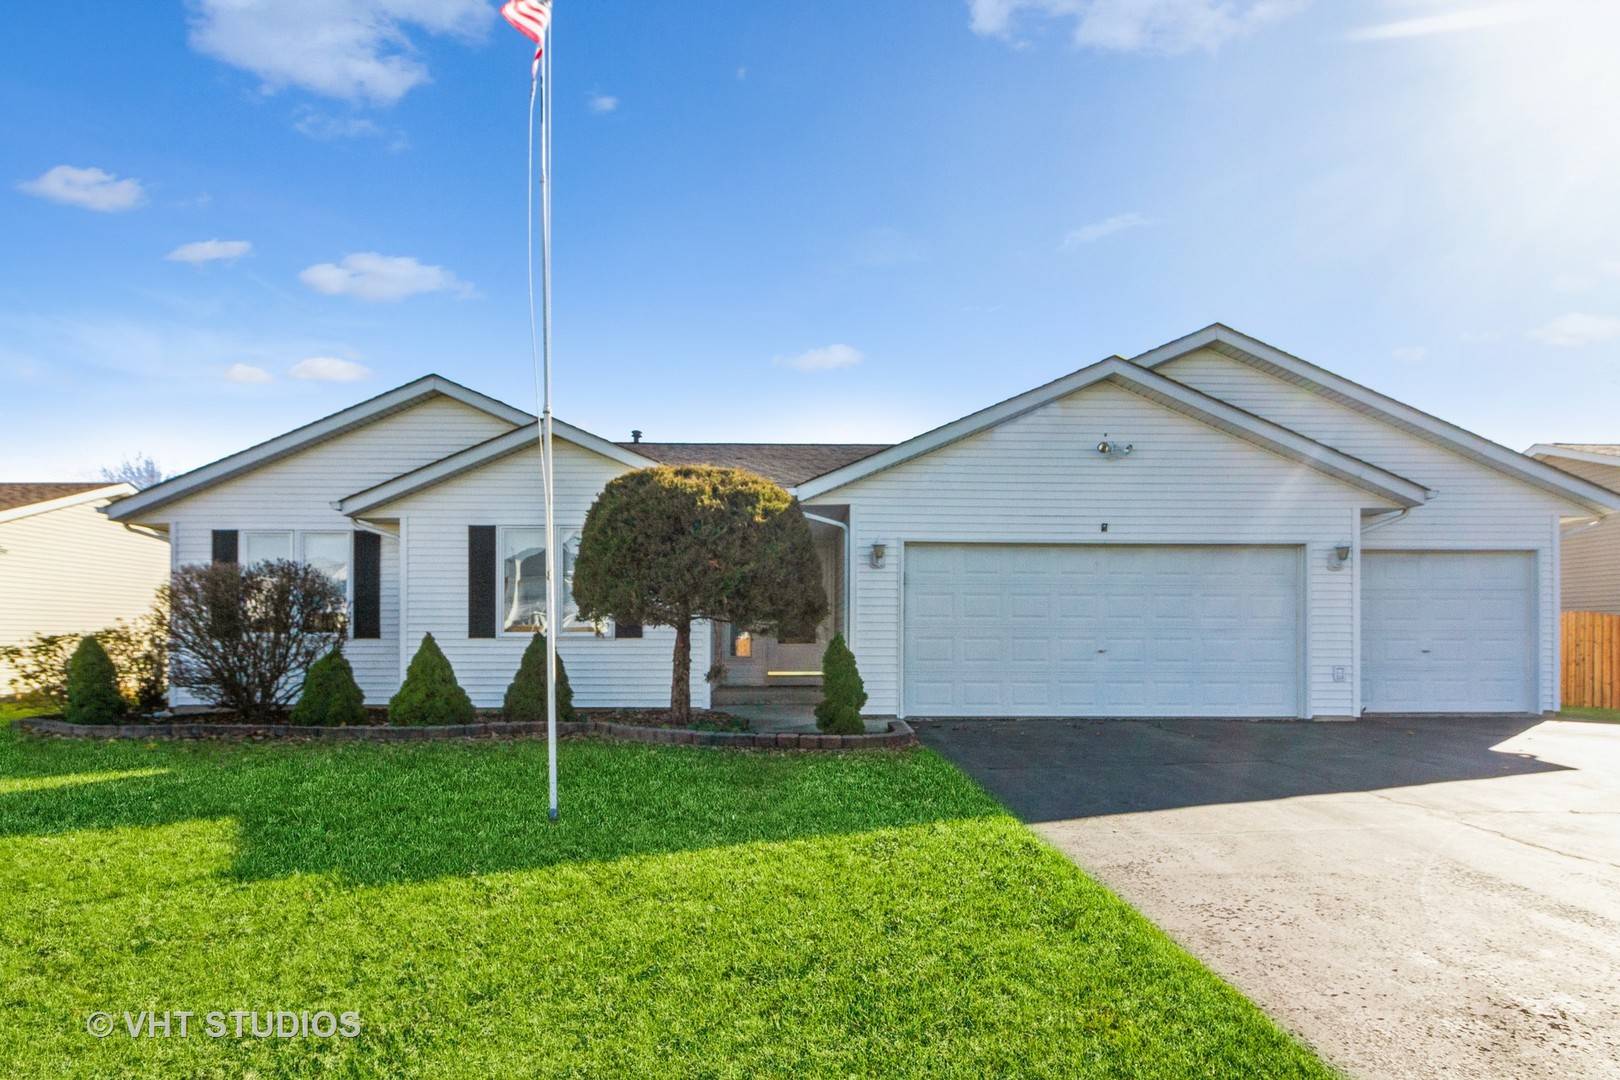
(547, 455)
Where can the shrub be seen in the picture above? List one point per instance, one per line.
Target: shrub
(92, 686)
(843, 694)
(243, 637)
(526, 697)
(666, 545)
(331, 697)
(139, 652)
(430, 694)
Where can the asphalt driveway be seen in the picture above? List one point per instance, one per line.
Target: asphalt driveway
(1414, 898)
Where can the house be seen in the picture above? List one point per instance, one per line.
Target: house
(66, 569)
(1212, 528)
(1591, 559)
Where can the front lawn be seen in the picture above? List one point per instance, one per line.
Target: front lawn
(1590, 716)
(697, 912)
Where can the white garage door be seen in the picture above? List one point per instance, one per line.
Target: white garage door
(1092, 630)
(1448, 631)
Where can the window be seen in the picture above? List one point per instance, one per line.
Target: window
(258, 547)
(523, 582)
(328, 552)
(742, 642)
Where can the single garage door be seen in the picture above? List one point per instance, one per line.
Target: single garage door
(1095, 630)
(1446, 631)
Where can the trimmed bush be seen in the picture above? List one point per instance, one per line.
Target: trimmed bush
(92, 686)
(526, 697)
(430, 694)
(331, 697)
(842, 692)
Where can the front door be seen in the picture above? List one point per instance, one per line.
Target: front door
(752, 659)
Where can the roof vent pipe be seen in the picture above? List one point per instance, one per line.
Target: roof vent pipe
(635, 435)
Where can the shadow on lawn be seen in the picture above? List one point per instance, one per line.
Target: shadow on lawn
(377, 815)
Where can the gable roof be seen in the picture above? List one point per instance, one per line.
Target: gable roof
(1167, 392)
(1591, 453)
(329, 427)
(479, 454)
(1239, 346)
(28, 499)
(785, 463)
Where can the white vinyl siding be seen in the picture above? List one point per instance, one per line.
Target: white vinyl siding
(1591, 570)
(71, 571)
(1449, 631)
(1102, 630)
(1039, 479)
(297, 492)
(1474, 507)
(603, 671)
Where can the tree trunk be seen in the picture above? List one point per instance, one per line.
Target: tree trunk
(680, 680)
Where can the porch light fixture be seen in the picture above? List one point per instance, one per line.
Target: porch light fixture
(878, 551)
(1110, 449)
(1341, 555)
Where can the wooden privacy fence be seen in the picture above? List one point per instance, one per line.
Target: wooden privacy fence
(1591, 663)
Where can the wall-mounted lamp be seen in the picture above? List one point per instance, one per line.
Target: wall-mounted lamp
(878, 551)
(1110, 449)
(1340, 556)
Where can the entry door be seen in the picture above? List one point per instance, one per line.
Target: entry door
(1448, 631)
(1095, 630)
(751, 659)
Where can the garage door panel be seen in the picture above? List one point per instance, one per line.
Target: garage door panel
(1448, 631)
(1104, 630)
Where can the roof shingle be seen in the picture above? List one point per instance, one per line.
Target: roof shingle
(15, 495)
(785, 463)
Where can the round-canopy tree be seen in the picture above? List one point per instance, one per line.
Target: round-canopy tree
(667, 545)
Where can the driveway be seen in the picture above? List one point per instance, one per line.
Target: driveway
(1434, 897)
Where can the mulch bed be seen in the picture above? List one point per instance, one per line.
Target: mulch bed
(702, 719)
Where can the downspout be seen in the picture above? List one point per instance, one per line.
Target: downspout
(849, 566)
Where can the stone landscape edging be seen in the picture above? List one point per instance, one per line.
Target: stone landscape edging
(899, 734)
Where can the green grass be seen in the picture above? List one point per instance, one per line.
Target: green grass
(696, 913)
(12, 709)
(1598, 716)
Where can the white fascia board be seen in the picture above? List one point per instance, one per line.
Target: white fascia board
(1167, 392)
(281, 446)
(111, 491)
(1554, 450)
(1459, 440)
(446, 468)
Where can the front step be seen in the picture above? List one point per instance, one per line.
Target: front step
(722, 696)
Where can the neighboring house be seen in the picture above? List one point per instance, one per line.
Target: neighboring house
(66, 569)
(1591, 548)
(1213, 528)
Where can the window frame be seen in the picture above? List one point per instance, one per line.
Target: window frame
(572, 625)
(297, 551)
(244, 541)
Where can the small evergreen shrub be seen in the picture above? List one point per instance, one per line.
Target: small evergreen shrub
(526, 697)
(331, 697)
(842, 691)
(430, 694)
(92, 686)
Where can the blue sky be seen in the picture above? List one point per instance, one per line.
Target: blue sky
(797, 221)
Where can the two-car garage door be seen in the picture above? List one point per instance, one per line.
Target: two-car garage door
(1102, 630)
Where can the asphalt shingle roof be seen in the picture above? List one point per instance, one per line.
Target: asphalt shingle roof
(785, 463)
(15, 495)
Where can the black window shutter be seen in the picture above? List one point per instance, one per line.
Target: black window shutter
(225, 545)
(367, 585)
(480, 581)
(626, 629)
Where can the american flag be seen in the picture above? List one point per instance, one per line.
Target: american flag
(530, 17)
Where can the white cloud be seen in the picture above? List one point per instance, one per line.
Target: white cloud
(826, 358)
(247, 373)
(329, 369)
(93, 189)
(1576, 329)
(1410, 354)
(370, 276)
(602, 103)
(356, 50)
(742, 73)
(1162, 26)
(1447, 22)
(1108, 226)
(206, 251)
